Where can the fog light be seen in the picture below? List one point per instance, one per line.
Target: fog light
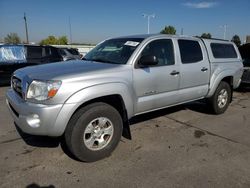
(33, 120)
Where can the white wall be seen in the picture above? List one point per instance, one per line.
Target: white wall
(83, 49)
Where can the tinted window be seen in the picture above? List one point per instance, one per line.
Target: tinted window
(223, 50)
(162, 49)
(62, 52)
(34, 52)
(47, 52)
(55, 53)
(73, 51)
(190, 51)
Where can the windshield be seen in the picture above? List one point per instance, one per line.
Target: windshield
(9, 54)
(116, 51)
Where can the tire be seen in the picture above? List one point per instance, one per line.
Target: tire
(220, 100)
(93, 132)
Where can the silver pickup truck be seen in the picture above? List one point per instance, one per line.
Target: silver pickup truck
(89, 102)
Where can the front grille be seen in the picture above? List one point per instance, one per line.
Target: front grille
(17, 85)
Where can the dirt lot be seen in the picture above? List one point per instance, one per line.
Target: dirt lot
(184, 146)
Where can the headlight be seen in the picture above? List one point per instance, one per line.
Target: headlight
(43, 90)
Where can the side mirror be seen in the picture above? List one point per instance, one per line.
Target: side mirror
(147, 60)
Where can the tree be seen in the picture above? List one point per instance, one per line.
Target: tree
(12, 38)
(63, 40)
(236, 40)
(49, 40)
(206, 35)
(169, 30)
(52, 40)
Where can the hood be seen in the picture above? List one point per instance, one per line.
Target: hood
(64, 70)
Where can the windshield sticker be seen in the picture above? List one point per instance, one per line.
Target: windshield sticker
(131, 43)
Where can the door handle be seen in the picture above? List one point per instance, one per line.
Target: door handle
(204, 69)
(173, 73)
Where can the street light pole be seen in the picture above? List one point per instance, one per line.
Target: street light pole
(26, 29)
(225, 31)
(148, 17)
(70, 32)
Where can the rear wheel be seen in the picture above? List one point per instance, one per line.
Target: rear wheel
(93, 132)
(221, 98)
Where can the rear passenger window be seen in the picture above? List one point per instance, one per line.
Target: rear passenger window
(223, 50)
(190, 51)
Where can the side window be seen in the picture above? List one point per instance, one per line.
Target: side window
(55, 53)
(73, 51)
(62, 52)
(163, 50)
(220, 50)
(46, 52)
(190, 51)
(34, 52)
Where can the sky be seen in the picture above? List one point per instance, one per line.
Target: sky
(95, 20)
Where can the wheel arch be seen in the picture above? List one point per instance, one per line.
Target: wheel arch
(114, 94)
(223, 76)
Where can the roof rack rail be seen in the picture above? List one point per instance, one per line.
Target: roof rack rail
(212, 38)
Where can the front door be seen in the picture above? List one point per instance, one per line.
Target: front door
(157, 86)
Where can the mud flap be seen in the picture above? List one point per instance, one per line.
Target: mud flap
(126, 133)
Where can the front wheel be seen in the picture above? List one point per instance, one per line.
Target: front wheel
(221, 98)
(93, 132)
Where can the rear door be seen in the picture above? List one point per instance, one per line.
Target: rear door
(194, 69)
(157, 86)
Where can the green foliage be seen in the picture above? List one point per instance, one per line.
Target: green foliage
(52, 40)
(12, 38)
(169, 30)
(236, 40)
(206, 35)
(63, 40)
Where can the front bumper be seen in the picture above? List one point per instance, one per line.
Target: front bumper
(38, 119)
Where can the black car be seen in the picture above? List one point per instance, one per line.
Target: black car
(13, 57)
(245, 54)
(69, 53)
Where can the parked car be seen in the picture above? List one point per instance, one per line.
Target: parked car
(69, 53)
(90, 102)
(245, 54)
(13, 57)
